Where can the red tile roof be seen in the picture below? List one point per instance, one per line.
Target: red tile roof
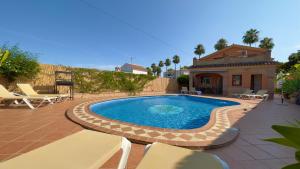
(135, 67)
(233, 46)
(236, 64)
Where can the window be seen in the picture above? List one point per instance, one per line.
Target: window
(236, 80)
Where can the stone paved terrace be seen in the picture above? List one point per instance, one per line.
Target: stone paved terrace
(22, 130)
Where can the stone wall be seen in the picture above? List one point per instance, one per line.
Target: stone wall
(44, 82)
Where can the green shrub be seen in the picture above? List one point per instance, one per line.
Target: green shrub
(183, 80)
(291, 82)
(3, 55)
(20, 65)
(277, 91)
(291, 138)
(96, 81)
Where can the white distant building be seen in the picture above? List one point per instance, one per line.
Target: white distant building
(133, 68)
(171, 73)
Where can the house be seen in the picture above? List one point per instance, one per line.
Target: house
(171, 73)
(234, 69)
(132, 68)
(117, 69)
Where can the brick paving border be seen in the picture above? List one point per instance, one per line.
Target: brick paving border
(216, 133)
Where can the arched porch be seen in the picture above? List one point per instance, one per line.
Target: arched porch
(208, 83)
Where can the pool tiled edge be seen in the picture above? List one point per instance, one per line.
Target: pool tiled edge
(217, 132)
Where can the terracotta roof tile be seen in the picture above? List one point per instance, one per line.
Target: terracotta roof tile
(136, 67)
(236, 64)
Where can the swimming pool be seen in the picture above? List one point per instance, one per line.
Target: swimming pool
(170, 111)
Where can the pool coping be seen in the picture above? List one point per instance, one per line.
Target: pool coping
(216, 133)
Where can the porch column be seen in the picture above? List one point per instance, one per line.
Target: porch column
(226, 83)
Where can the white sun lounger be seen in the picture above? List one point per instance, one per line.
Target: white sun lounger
(194, 91)
(165, 156)
(261, 94)
(83, 150)
(184, 90)
(6, 95)
(28, 90)
(245, 93)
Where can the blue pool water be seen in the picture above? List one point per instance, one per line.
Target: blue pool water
(172, 112)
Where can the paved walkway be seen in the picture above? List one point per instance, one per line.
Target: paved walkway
(22, 130)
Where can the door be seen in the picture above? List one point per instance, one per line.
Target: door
(256, 81)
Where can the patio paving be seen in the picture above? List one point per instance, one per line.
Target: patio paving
(22, 130)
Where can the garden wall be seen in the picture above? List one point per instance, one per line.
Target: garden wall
(44, 82)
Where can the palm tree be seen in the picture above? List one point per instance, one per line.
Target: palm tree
(176, 60)
(149, 71)
(158, 71)
(251, 36)
(167, 63)
(199, 50)
(160, 65)
(221, 44)
(154, 68)
(267, 43)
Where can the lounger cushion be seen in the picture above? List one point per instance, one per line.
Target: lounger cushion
(171, 157)
(83, 150)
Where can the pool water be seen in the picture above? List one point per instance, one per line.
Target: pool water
(171, 112)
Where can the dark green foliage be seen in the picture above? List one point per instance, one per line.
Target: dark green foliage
(4, 54)
(267, 43)
(199, 50)
(19, 66)
(294, 58)
(154, 68)
(221, 44)
(291, 138)
(251, 36)
(161, 64)
(95, 81)
(167, 63)
(158, 71)
(176, 60)
(149, 71)
(291, 82)
(183, 80)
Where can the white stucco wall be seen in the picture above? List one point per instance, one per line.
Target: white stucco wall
(139, 72)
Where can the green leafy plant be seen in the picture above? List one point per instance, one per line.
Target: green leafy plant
(291, 82)
(199, 50)
(3, 55)
(96, 81)
(221, 44)
(167, 63)
(183, 80)
(154, 68)
(267, 43)
(291, 138)
(251, 36)
(293, 59)
(149, 71)
(176, 60)
(21, 65)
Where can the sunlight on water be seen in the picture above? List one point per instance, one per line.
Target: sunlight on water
(165, 109)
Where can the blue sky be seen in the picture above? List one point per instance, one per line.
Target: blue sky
(106, 33)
